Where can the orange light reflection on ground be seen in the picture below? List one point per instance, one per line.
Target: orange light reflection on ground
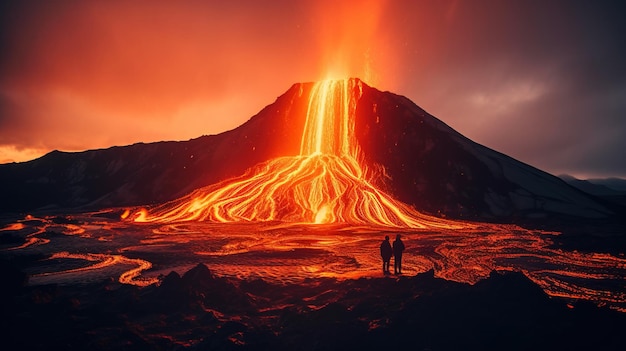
(282, 253)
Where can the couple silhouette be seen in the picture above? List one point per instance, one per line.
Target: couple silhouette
(387, 250)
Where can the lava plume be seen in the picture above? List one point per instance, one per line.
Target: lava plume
(325, 183)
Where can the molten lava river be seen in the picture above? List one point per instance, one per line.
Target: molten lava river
(294, 218)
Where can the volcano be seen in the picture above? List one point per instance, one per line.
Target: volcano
(417, 160)
(325, 183)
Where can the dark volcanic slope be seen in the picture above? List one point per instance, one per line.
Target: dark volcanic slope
(427, 164)
(436, 169)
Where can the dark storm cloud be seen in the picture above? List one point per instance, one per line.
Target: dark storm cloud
(542, 81)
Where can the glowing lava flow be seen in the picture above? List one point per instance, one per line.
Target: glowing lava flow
(131, 276)
(326, 183)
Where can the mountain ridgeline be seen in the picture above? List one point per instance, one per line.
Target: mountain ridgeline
(413, 156)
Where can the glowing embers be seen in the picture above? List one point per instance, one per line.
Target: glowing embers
(324, 184)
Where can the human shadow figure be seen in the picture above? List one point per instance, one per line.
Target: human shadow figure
(385, 253)
(398, 248)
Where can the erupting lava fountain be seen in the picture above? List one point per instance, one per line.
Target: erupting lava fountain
(326, 183)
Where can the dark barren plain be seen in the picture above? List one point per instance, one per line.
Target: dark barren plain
(536, 264)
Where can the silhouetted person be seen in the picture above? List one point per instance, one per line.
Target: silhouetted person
(398, 248)
(385, 253)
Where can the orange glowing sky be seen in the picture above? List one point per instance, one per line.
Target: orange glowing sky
(543, 82)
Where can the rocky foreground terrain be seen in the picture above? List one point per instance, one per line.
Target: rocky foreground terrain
(199, 311)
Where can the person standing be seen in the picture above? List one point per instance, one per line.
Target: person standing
(398, 248)
(385, 253)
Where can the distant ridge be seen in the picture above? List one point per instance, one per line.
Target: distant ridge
(600, 187)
